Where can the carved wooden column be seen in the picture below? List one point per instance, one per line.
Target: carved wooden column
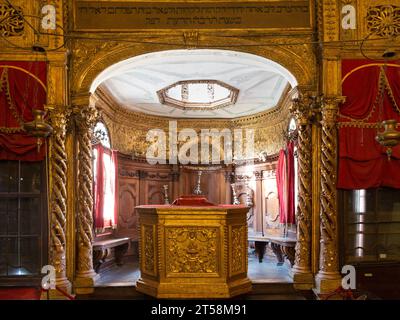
(57, 189)
(86, 118)
(328, 277)
(302, 109)
(58, 196)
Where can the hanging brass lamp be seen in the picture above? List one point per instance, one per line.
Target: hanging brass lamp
(38, 128)
(389, 137)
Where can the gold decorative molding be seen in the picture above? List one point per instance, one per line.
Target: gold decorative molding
(331, 20)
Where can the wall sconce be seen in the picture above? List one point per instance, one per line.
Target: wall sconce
(390, 137)
(38, 128)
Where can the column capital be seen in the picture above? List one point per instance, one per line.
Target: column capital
(330, 108)
(305, 106)
(58, 116)
(86, 116)
(332, 101)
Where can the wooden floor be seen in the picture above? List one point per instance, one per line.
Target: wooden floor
(265, 272)
(270, 282)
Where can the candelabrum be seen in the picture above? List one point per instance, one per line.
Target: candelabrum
(234, 195)
(197, 189)
(166, 198)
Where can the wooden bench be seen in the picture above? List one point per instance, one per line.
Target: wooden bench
(102, 251)
(282, 247)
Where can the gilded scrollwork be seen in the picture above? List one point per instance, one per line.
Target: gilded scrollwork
(239, 247)
(148, 250)
(191, 250)
(384, 20)
(11, 20)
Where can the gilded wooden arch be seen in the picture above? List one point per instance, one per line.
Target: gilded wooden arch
(90, 58)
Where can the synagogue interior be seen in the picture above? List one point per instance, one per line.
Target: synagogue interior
(199, 149)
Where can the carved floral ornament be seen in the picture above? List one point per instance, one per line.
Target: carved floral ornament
(11, 21)
(384, 20)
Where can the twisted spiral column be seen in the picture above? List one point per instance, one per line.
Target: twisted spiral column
(303, 109)
(58, 196)
(85, 274)
(328, 278)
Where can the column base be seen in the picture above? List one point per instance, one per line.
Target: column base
(302, 279)
(327, 282)
(64, 285)
(84, 282)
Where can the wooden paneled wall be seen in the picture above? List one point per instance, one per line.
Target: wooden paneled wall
(141, 183)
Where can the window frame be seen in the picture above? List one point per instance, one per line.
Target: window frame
(31, 279)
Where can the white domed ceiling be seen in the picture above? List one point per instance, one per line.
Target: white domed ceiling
(137, 84)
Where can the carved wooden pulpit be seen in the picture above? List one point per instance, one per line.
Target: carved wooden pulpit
(193, 249)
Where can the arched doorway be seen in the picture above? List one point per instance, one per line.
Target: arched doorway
(129, 95)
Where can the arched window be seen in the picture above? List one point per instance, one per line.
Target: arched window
(101, 135)
(104, 179)
(292, 126)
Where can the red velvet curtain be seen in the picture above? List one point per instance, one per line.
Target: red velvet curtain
(105, 187)
(285, 184)
(116, 193)
(98, 186)
(290, 177)
(372, 91)
(281, 185)
(21, 90)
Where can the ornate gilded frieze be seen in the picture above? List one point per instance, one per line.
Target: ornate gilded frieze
(11, 20)
(330, 14)
(191, 250)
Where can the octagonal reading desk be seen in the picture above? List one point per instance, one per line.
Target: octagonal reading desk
(193, 249)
